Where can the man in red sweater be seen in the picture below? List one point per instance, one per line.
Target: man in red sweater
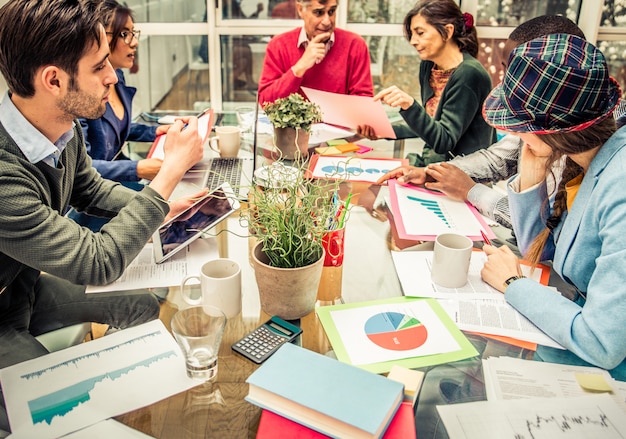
(317, 55)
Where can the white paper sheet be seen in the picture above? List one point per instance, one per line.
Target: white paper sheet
(421, 214)
(353, 168)
(322, 132)
(514, 378)
(494, 317)
(67, 390)
(586, 417)
(143, 272)
(361, 332)
(414, 269)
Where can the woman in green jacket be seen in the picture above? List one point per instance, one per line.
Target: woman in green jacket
(453, 85)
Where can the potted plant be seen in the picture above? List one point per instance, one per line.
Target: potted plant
(292, 117)
(288, 215)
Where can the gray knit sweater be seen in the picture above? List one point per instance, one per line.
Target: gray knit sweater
(34, 234)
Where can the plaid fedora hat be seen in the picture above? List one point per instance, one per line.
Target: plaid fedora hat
(555, 83)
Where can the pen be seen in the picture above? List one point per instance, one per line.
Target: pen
(485, 239)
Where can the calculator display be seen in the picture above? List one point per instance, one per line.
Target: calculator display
(279, 328)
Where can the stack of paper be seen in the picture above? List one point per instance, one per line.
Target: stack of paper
(541, 401)
(476, 306)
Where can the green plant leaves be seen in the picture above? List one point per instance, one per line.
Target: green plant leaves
(293, 112)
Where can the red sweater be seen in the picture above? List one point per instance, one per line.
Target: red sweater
(345, 68)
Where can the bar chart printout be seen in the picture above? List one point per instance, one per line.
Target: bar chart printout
(584, 417)
(58, 393)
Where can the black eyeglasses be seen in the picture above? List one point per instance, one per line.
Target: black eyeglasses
(128, 35)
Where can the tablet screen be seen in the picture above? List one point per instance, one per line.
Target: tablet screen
(189, 225)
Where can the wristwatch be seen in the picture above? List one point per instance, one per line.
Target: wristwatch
(512, 279)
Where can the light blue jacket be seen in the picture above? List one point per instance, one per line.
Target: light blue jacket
(590, 253)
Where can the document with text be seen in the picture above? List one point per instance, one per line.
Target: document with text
(585, 417)
(143, 272)
(515, 378)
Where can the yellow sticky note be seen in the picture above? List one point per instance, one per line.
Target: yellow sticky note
(412, 380)
(592, 382)
(327, 150)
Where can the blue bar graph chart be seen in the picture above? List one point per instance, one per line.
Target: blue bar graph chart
(64, 391)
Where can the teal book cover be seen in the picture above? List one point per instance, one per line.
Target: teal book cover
(324, 394)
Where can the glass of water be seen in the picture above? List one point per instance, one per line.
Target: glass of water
(198, 331)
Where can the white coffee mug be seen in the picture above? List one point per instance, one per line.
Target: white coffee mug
(451, 260)
(220, 285)
(227, 141)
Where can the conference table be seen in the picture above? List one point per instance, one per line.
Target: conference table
(217, 409)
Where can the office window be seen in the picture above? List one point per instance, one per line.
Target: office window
(615, 53)
(514, 12)
(242, 61)
(171, 73)
(394, 62)
(492, 58)
(168, 11)
(378, 11)
(614, 13)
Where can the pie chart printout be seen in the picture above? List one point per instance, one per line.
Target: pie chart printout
(395, 331)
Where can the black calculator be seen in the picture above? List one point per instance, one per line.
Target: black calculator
(261, 343)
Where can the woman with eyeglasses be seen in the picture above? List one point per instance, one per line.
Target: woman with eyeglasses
(105, 137)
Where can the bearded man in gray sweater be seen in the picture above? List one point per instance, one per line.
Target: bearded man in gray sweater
(54, 58)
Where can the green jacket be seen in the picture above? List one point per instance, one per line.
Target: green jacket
(34, 234)
(458, 126)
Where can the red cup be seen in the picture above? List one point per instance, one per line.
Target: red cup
(333, 247)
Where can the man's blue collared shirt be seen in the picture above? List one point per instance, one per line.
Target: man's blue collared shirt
(33, 144)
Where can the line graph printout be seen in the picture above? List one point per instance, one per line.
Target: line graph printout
(422, 214)
(585, 417)
(66, 390)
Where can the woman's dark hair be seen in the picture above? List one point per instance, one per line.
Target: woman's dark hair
(115, 16)
(38, 33)
(439, 13)
(564, 144)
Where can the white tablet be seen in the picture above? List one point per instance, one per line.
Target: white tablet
(191, 224)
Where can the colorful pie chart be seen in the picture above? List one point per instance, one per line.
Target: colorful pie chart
(395, 331)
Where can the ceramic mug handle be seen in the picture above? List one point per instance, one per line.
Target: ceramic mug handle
(186, 296)
(214, 144)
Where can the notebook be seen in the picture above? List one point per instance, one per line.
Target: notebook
(205, 124)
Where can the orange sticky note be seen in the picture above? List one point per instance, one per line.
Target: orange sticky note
(347, 147)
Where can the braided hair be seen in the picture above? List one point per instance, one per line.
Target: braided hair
(564, 144)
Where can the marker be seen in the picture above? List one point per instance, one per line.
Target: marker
(485, 239)
(345, 209)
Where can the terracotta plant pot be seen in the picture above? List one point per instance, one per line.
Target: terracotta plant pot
(289, 293)
(292, 143)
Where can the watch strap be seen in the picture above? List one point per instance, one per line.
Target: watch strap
(512, 279)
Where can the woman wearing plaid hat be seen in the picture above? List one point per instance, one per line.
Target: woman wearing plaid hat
(558, 97)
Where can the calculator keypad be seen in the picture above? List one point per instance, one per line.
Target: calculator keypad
(259, 344)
